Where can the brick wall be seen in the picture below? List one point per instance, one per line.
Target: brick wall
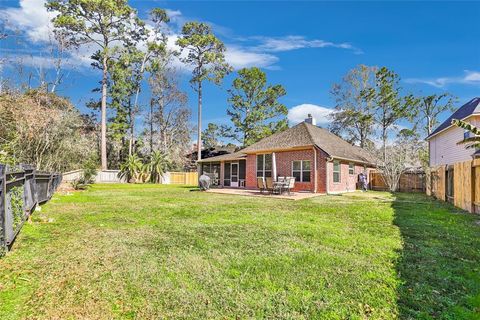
(347, 182)
(322, 172)
(251, 174)
(284, 161)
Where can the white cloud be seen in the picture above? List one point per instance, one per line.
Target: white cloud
(239, 58)
(472, 76)
(288, 43)
(469, 77)
(299, 113)
(31, 17)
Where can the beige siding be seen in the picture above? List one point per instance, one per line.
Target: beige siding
(444, 148)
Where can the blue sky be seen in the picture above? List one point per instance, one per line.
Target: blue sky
(305, 46)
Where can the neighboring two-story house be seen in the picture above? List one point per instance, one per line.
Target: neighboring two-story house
(443, 142)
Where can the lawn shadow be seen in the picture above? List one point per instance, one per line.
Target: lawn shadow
(439, 265)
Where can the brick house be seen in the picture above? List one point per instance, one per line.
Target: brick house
(320, 161)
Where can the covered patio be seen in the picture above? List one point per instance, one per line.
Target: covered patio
(257, 193)
(227, 170)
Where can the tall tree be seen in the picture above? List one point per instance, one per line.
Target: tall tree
(156, 54)
(102, 24)
(254, 107)
(389, 106)
(3, 36)
(353, 116)
(206, 54)
(169, 121)
(430, 108)
(210, 136)
(125, 82)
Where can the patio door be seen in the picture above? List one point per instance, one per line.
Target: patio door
(234, 174)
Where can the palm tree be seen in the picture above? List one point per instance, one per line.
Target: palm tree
(157, 166)
(472, 141)
(131, 169)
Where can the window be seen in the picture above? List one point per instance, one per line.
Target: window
(336, 171)
(264, 165)
(351, 169)
(466, 134)
(301, 170)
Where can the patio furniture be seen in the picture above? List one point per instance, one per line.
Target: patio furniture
(241, 183)
(279, 186)
(273, 186)
(290, 184)
(261, 184)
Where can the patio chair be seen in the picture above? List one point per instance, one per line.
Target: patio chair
(290, 184)
(271, 186)
(261, 184)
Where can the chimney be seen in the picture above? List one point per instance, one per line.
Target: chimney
(311, 120)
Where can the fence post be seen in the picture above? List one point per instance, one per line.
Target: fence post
(3, 191)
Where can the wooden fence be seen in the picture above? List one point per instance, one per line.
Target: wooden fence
(409, 182)
(186, 178)
(458, 183)
(21, 190)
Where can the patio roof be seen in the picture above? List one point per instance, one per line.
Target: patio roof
(226, 157)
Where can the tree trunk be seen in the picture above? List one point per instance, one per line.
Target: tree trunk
(151, 126)
(132, 132)
(199, 129)
(429, 125)
(103, 136)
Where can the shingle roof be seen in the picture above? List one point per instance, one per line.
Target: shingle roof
(305, 134)
(471, 107)
(225, 157)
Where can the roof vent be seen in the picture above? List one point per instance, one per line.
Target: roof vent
(311, 120)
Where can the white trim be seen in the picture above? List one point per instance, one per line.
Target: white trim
(301, 170)
(263, 169)
(353, 160)
(237, 175)
(339, 172)
(315, 174)
(451, 126)
(353, 164)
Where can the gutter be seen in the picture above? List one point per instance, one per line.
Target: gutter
(450, 126)
(315, 183)
(331, 158)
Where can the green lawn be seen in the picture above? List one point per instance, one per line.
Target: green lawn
(160, 252)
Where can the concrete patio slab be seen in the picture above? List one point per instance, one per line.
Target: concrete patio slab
(257, 193)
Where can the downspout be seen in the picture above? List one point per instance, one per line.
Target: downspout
(315, 177)
(329, 159)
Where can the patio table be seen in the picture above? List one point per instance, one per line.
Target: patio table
(279, 185)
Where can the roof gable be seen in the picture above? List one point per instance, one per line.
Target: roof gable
(471, 107)
(294, 137)
(305, 134)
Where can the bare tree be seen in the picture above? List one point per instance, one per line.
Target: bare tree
(430, 108)
(169, 119)
(58, 51)
(353, 116)
(397, 157)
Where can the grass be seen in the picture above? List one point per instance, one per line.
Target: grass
(161, 252)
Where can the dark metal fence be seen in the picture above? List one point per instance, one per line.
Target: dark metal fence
(21, 189)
